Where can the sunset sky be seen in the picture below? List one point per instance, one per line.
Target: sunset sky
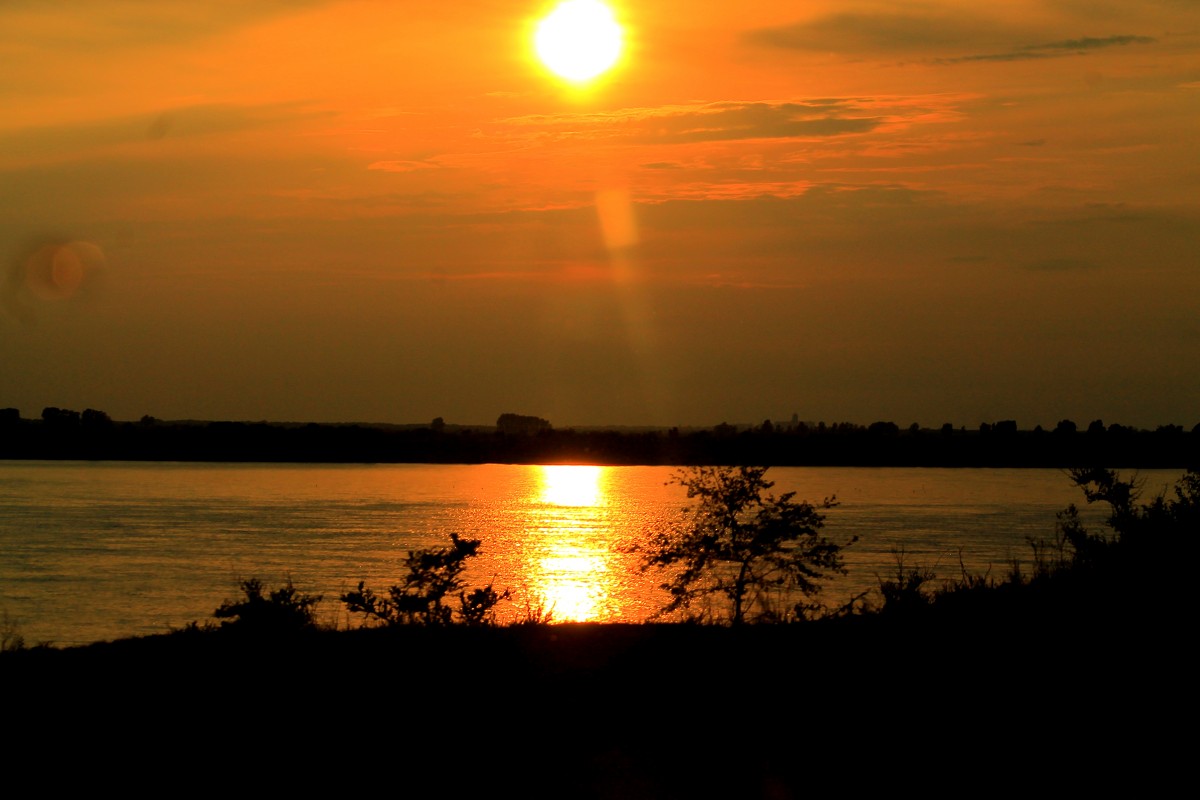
(941, 211)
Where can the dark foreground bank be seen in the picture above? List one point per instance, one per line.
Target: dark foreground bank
(1071, 695)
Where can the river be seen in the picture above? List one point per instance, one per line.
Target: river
(101, 550)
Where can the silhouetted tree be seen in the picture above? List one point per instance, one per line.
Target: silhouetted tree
(93, 419)
(743, 546)
(521, 424)
(60, 417)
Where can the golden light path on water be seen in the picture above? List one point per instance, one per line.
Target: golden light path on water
(572, 485)
(562, 539)
(572, 573)
(102, 550)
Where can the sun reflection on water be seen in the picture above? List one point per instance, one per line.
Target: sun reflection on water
(572, 485)
(571, 543)
(573, 583)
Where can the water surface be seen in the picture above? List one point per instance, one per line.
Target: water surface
(92, 551)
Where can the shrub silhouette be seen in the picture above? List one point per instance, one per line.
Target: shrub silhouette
(904, 590)
(749, 550)
(1149, 534)
(11, 638)
(423, 597)
(1142, 563)
(283, 610)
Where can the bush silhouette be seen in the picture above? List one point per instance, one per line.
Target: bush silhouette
(283, 610)
(424, 596)
(1145, 534)
(904, 589)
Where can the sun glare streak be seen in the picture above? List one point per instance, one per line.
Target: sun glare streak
(579, 40)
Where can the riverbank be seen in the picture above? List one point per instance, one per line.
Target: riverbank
(634, 710)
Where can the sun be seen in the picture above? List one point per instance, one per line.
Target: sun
(578, 40)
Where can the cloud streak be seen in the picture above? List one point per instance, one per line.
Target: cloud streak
(1066, 47)
(865, 34)
(712, 122)
(73, 140)
(110, 25)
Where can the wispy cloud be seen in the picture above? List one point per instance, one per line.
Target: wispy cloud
(402, 166)
(83, 139)
(731, 121)
(114, 25)
(1061, 265)
(858, 33)
(1066, 47)
(863, 34)
(724, 121)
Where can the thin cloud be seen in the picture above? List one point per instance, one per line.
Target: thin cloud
(731, 121)
(116, 26)
(1066, 47)
(865, 33)
(1093, 43)
(724, 121)
(402, 166)
(1062, 265)
(72, 140)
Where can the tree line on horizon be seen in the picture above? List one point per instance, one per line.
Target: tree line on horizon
(91, 434)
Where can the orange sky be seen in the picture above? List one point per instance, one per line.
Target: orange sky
(913, 211)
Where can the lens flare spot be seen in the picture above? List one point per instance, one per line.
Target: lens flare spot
(59, 271)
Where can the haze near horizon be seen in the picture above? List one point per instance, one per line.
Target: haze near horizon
(334, 211)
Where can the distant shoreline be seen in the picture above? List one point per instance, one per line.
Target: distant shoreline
(842, 444)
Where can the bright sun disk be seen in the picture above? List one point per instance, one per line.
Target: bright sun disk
(579, 39)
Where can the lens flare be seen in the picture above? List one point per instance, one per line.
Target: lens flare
(59, 271)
